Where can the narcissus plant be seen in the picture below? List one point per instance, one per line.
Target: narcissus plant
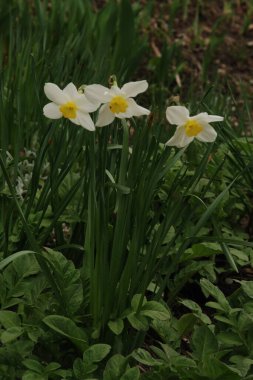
(70, 104)
(117, 102)
(190, 127)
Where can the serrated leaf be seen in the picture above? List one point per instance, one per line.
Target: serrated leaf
(68, 280)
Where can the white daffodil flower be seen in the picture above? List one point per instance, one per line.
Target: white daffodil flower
(190, 127)
(117, 102)
(69, 103)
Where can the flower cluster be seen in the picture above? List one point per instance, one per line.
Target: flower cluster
(115, 102)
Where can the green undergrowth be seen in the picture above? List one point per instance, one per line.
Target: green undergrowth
(120, 258)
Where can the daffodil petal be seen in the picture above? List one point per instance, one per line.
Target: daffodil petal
(203, 117)
(105, 116)
(55, 94)
(208, 134)
(135, 110)
(85, 121)
(115, 91)
(213, 118)
(177, 115)
(71, 91)
(52, 111)
(132, 89)
(97, 92)
(180, 139)
(86, 105)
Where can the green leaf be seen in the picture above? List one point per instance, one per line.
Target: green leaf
(201, 250)
(138, 322)
(185, 323)
(197, 311)
(96, 353)
(213, 290)
(68, 280)
(79, 369)
(33, 365)
(115, 367)
(34, 376)
(243, 364)
(11, 334)
(204, 343)
(116, 326)
(66, 327)
(229, 339)
(144, 357)
(13, 257)
(155, 310)
(247, 287)
(131, 374)
(135, 303)
(125, 34)
(9, 319)
(51, 367)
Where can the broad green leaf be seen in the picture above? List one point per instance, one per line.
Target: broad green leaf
(247, 287)
(135, 303)
(9, 319)
(243, 364)
(68, 280)
(11, 334)
(213, 290)
(131, 374)
(116, 326)
(115, 367)
(185, 323)
(14, 256)
(215, 369)
(145, 357)
(66, 327)
(138, 321)
(201, 250)
(29, 375)
(53, 366)
(96, 353)
(79, 369)
(204, 343)
(33, 365)
(155, 310)
(229, 339)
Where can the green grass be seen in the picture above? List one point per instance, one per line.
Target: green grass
(102, 234)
